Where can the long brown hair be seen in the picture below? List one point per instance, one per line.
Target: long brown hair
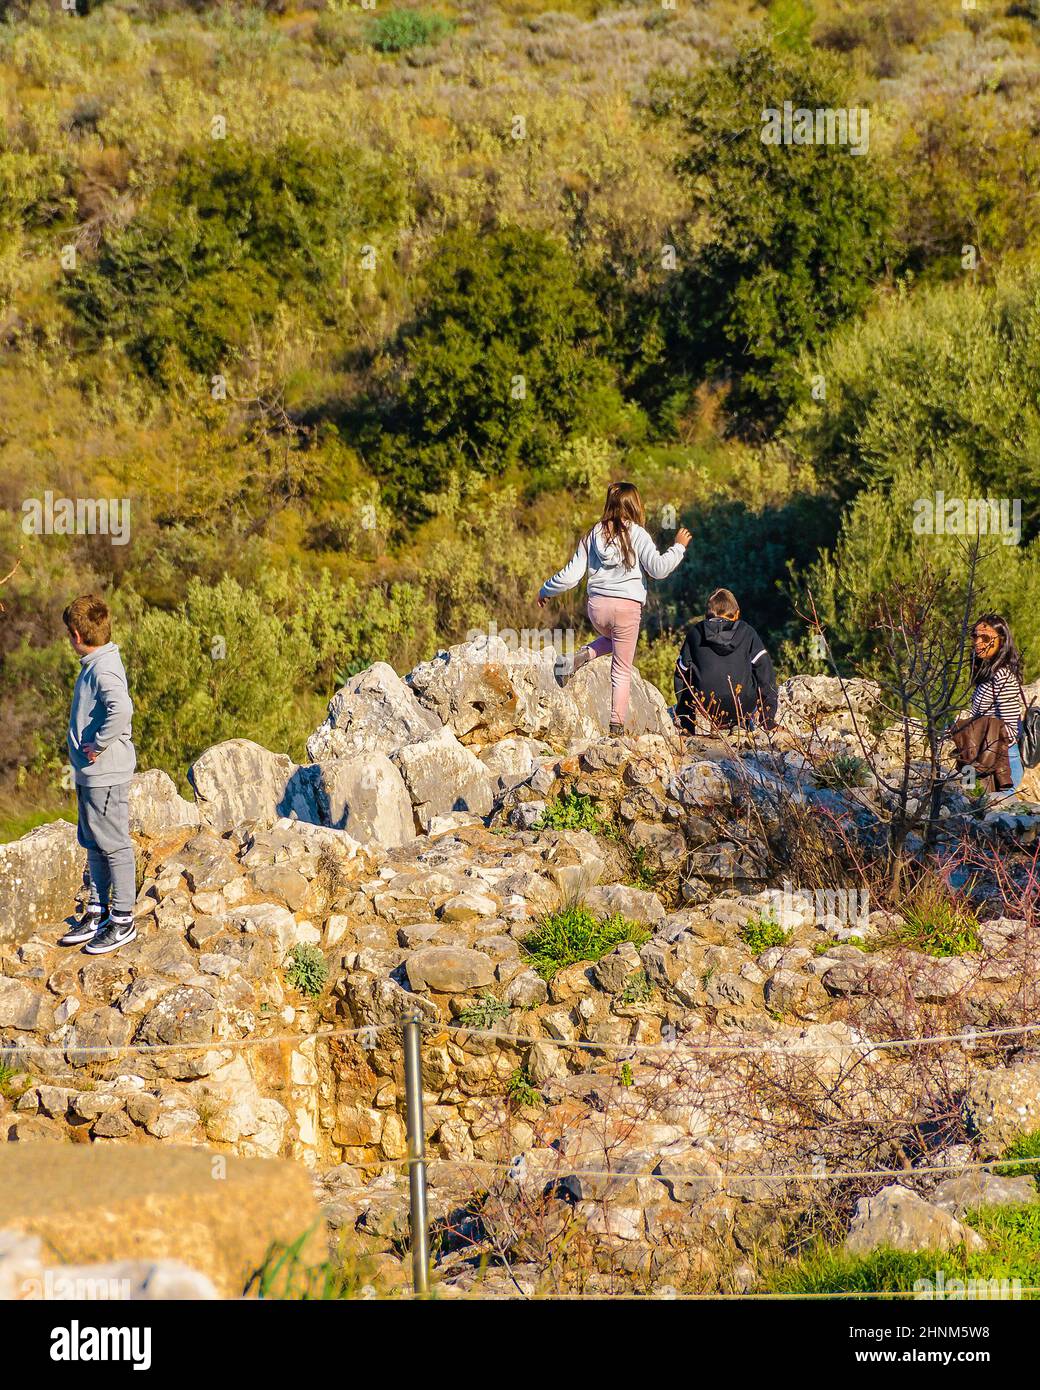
(623, 508)
(1005, 655)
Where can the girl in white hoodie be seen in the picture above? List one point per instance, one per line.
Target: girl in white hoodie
(617, 553)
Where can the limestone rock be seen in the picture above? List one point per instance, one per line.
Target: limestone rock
(366, 796)
(374, 712)
(1002, 1104)
(238, 781)
(485, 690)
(157, 808)
(449, 969)
(589, 688)
(896, 1218)
(40, 875)
(442, 776)
(966, 1191)
(124, 1202)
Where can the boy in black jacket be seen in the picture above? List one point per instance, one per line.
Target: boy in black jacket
(724, 671)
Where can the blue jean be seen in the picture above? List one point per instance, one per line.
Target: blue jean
(1015, 761)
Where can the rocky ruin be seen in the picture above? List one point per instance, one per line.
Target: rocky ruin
(662, 1115)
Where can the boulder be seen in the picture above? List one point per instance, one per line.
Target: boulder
(1002, 1104)
(156, 806)
(449, 969)
(966, 1191)
(366, 796)
(512, 760)
(374, 712)
(27, 1271)
(442, 776)
(125, 1202)
(589, 688)
(898, 1219)
(238, 781)
(486, 689)
(635, 904)
(808, 702)
(40, 875)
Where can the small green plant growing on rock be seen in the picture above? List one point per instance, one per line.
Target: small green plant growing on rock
(643, 876)
(307, 971)
(575, 933)
(520, 1090)
(762, 932)
(937, 921)
(12, 1082)
(843, 771)
(627, 1078)
(571, 811)
(638, 989)
(485, 1013)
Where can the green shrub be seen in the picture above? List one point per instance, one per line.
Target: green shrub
(399, 30)
(574, 934)
(842, 771)
(796, 235)
(638, 989)
(503, 365)
(762, 932)
(571, 811)
(485, 1013)
(1025, 1146)
(238, 230)
(931, 381)
(520, 1090)
(937, 921)
(308, 970)
(205, 671)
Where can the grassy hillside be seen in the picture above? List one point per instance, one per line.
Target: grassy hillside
(360, 308)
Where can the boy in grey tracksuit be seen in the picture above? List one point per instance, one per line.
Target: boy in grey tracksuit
(102, 755)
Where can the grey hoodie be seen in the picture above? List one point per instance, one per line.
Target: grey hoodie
(101, 714)
(609, 576)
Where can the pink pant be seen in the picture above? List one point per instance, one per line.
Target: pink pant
(617, 622)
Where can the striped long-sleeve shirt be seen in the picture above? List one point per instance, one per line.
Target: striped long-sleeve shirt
(999, 694)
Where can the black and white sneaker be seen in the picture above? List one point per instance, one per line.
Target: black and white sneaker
(85, 929)
(116, 932)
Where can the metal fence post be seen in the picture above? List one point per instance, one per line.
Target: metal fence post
(416, 1156)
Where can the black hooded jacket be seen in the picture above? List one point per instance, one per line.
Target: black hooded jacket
(722, 664)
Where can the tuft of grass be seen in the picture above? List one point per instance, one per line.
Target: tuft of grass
(642, 875)
(399, 30)
(572, 811)
(307, 971)
(520, 1090)
(762, 932)
(284, 1276)
(485, 1013)
(575, 933)
(1025, 1146)
(937, 921)
(841, 772)
(1012, 1236)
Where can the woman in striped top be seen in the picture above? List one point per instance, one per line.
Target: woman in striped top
(996, 671)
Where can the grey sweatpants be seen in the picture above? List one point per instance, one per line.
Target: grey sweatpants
(104, 832)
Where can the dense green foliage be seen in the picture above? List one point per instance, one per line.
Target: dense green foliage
(798, 234)
(440, 329)
(236, 233)
(503, 364)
